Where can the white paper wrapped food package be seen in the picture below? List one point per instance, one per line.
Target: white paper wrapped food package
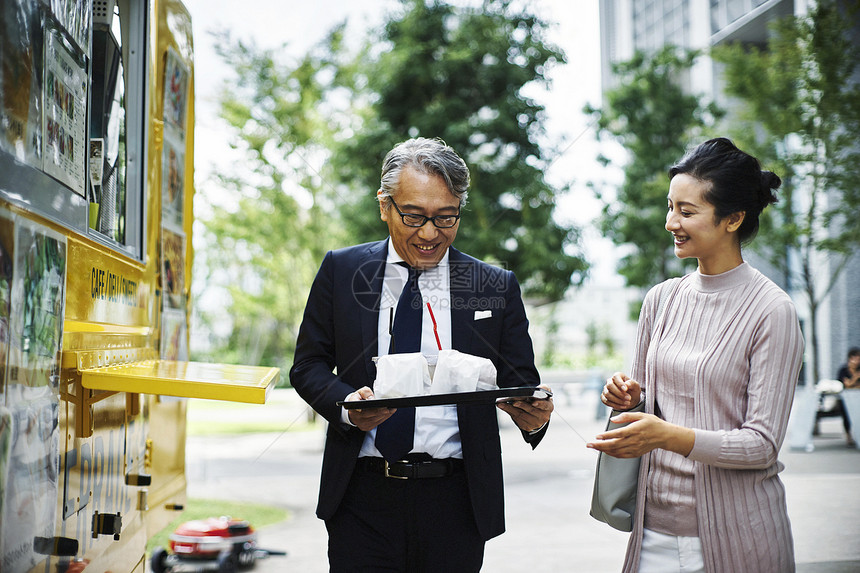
(401, 375)
(459, 372)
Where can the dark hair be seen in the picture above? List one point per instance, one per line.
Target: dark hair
(431, 156)
(737, 182)
(853, 351)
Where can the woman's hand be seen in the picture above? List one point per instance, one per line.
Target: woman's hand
(621, 392)
(645, 432)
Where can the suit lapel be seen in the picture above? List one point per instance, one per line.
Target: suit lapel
(367, 287)
(463, 278)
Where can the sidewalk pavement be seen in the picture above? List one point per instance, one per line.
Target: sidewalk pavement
(547, 492)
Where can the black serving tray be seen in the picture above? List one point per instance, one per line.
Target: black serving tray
(479, 397)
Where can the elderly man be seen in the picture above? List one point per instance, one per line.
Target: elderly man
(413, 489)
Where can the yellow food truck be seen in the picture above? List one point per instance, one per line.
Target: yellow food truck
(96, 191)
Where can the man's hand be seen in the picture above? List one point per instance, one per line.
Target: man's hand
(365, 419)
(529, 415)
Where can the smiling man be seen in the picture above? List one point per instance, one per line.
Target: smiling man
(413, 489)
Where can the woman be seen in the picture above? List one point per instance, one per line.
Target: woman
(717, 358)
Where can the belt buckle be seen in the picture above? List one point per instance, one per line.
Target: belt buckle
(389, 475)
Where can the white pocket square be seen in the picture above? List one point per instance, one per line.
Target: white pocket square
(481, 314)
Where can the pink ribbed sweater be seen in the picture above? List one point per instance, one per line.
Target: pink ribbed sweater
(724, 360)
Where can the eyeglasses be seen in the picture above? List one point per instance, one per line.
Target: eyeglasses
(415, 220)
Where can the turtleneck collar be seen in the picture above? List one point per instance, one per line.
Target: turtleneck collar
(735, 277)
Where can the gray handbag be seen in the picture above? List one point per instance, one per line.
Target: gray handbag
(613, 500)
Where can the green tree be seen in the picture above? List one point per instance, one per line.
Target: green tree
(654, 120)
(801, 96)
(461, 74)
(312, 133)
(264, 243)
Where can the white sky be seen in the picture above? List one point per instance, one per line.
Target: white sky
(301, 24)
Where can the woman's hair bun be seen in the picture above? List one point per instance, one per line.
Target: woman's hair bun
(770, 181)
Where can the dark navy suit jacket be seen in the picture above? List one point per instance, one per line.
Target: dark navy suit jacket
(338, 339)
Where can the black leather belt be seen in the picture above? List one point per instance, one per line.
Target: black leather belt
(411, 469)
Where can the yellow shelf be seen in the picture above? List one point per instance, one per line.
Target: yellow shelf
(230, 382)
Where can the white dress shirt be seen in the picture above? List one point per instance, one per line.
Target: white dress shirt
(436, 429)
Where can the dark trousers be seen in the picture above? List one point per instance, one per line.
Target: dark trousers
(838, 410)
(404, 526)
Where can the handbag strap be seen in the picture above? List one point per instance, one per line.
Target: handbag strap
(661, 303)
(661, 307)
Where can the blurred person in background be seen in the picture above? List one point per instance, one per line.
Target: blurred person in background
(849, 375)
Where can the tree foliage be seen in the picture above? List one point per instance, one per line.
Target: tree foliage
(311, 133)
(654, 119)
(800, 110)
(461, 75)
(273, 217)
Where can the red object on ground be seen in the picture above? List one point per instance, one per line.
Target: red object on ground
(220, 544)
(208, 537)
